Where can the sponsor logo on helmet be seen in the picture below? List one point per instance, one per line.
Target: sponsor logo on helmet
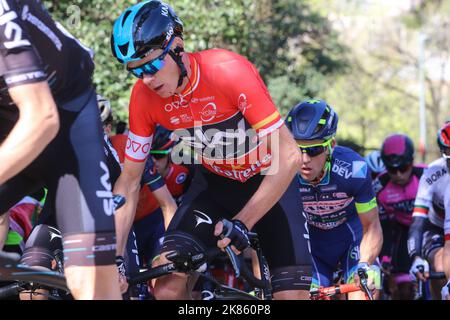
(209, 112)
(165, 10)
(169, 34)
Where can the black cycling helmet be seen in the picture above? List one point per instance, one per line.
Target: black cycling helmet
(311, 120)
(162, 139)
(142, 28)
(397, 150)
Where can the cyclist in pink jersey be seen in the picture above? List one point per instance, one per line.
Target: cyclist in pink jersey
(396, 191)
(217, 103)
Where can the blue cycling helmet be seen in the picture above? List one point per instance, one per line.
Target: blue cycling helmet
(375, 162)
(312, 120)
(142, 28)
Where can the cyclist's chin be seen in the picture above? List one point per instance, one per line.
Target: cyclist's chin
(308, 175)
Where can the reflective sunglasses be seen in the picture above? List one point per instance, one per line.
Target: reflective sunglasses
(153, 66)
(315, 149)
(159, 154)
(403, 168)
(445, 156)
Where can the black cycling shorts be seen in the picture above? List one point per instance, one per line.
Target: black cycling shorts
(73, 168)
(282, 231)
(433, 238)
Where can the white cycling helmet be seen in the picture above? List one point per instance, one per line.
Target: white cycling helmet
(374, 161)
(105, 107)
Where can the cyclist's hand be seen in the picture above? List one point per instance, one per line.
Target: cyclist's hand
(232, 232)
(123, 283)
(445, 291)
(369, 281)
(420, 269)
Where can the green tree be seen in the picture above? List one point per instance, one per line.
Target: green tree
(293, 46)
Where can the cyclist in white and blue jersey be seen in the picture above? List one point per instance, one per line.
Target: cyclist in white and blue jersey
(338, 200)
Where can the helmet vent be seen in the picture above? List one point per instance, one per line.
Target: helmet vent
(125, 16)
(124, 49)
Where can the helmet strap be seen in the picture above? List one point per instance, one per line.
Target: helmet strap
(175, 54)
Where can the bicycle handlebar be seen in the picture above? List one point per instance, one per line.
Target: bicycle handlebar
(10, 290)
(239, 265)
(320, 293)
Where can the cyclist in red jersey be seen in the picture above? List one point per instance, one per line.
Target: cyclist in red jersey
(218, 105)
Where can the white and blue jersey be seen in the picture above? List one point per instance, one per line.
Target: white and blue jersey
(331, 209)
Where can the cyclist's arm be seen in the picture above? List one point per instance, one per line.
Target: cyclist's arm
(38, 124)
(127, 185)
(415, 236)
(446, 257)
(167, 204)
(285, 163)
(372, 240)
(4, 229)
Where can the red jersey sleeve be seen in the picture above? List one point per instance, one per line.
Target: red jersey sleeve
(250, 94)
(141, 124)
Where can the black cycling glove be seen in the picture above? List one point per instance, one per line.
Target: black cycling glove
(237, 232)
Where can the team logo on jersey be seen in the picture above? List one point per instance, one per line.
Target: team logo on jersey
(209, 112)
(12, 30)
(329, 188)
(201, 218)
(181, 178)
(340, 195)
(175, 120)
(106, 193)
(435, 176)
(175, 105)
(342, 168)
(359, 169)
(243, 103)
(354, 253)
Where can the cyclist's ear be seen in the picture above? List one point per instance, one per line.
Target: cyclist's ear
(178, 49)
(333, 143)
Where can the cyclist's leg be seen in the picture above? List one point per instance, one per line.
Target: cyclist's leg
(190, 231)
(433, 249)
(284, 240)
(350, 264)
(132, 264)
(149, 231)
(11, 192)
(83, 201)
(40, 250)
(401, 262)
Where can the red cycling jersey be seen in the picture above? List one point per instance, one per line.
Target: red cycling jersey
(225, 97)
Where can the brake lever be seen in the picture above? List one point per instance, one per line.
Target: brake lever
(363, 280)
